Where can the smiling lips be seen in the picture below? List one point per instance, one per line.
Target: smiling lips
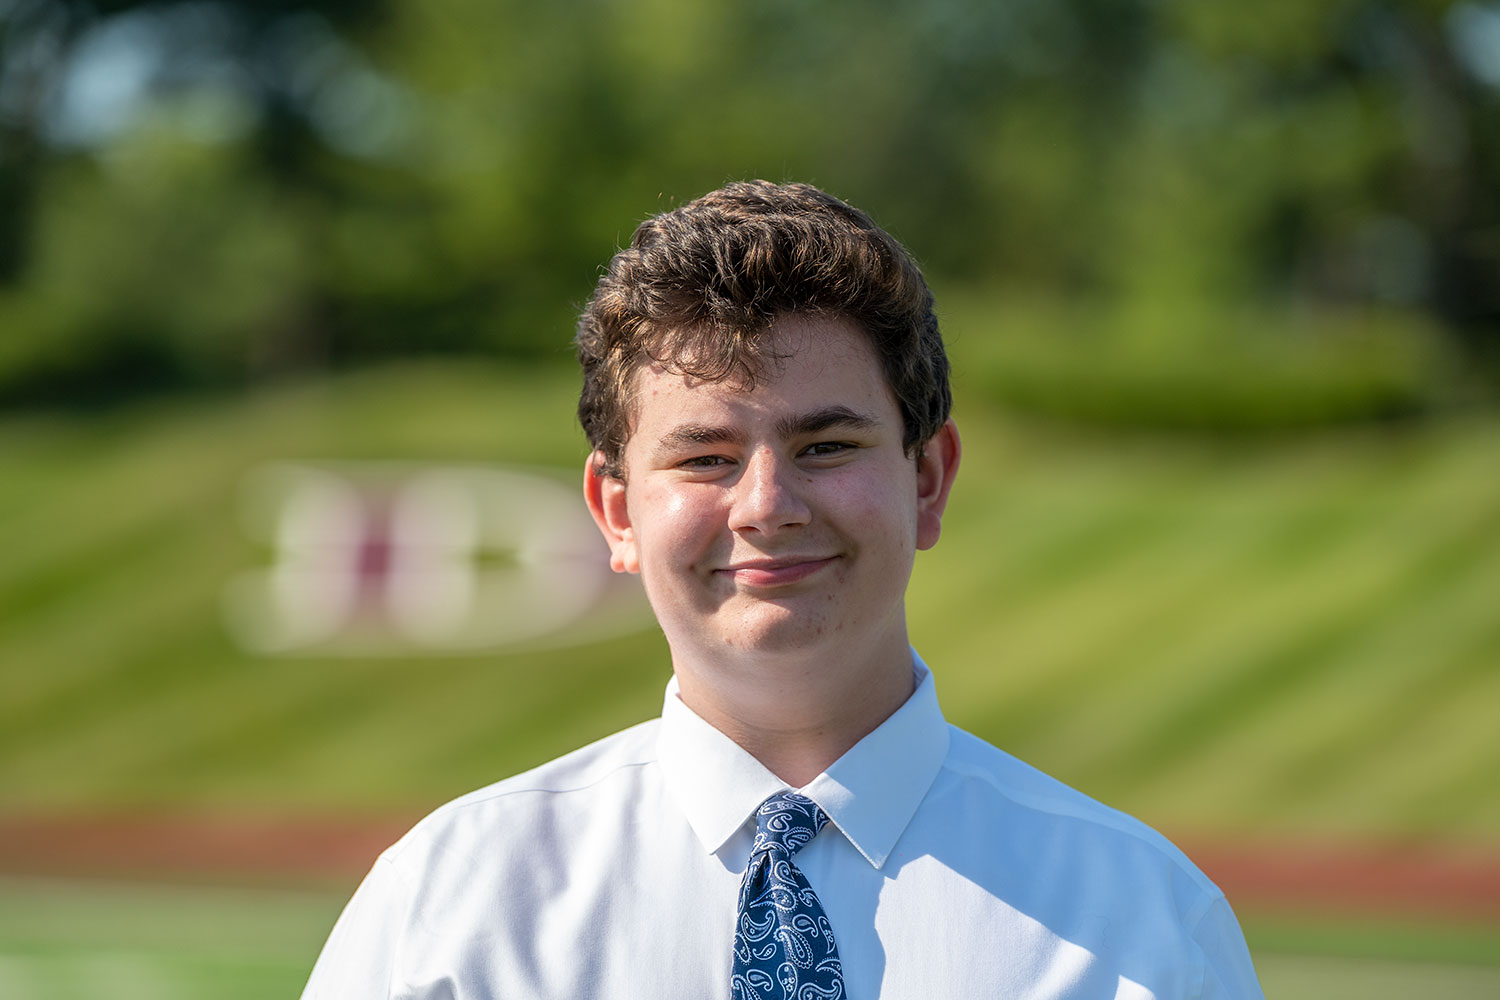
(775, 572)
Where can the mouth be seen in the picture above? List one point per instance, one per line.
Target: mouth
(777, 572)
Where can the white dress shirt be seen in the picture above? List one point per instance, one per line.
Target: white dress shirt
(949, 869)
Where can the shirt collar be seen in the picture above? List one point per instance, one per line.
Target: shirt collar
(870, 793)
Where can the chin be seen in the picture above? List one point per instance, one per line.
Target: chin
(772, 629)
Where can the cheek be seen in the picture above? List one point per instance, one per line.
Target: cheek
(866, 502)
(676, 523)
(674, 505)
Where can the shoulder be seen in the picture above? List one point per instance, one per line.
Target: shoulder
(478, 871)
(518, 808)
(1091, 874)
(1038, 807)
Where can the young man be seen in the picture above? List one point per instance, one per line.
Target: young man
(766, 394)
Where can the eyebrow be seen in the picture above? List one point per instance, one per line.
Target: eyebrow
(796, 425)
(822, 420)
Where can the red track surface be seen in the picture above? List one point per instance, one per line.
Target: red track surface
(1399, 881)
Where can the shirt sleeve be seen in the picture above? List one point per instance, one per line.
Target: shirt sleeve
(1228, 972)
(360, 957)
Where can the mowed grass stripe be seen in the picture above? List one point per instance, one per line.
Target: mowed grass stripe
(1211, 515)
(103, 647)
(97, 477)
(1433, 771)
(373, 733)
(1118, 610)
(1034, 642)
(1321, 757)
(1286, 663)
(1124, 621)
(360, 731)
(109, 752)
(139, 591)
(1022, 652)
(1331, 573)
(1083, 706)
(131, 476)
(476, 723)
(1435, 654)
(94, 649)
(236, 733)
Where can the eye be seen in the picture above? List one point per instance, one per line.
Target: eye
(703, 462)
(825, 449)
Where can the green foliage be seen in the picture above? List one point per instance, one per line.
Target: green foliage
(1250, 371)
(448, 175)
(167, 260)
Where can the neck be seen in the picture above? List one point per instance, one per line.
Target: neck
(798, 715)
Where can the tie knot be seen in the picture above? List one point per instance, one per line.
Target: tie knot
(786, 822)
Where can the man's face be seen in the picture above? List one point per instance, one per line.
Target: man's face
(786, 516)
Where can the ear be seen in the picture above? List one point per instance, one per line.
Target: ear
(605, 496)
(936, 467)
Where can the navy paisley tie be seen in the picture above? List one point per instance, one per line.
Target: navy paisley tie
(783, 944)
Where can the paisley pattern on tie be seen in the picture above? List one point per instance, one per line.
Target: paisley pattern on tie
(783, 944)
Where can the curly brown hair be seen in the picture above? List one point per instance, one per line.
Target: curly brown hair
(698, 287)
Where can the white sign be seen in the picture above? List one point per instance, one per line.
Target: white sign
(394, 559)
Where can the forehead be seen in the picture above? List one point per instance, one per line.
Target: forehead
(810, 359)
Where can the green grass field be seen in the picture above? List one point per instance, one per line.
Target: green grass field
(1288, 638)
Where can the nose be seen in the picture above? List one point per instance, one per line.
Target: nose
(767, 496)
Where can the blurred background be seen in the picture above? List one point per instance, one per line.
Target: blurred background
(289, 545)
